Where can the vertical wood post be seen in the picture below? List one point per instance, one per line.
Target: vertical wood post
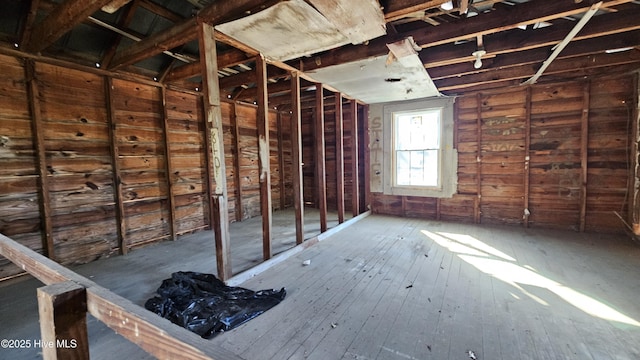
(339, 157)
(320, 158)
(115, 165)
(63, 326)
(263, 155)
(527, 157)
(584, 152)
(634, 185)
(167, 165)
(235, 128)
(296, 156)
(367, 158)
(477, 209)
(37, 128)
(215, 147)
(355, 176)
(283, 198)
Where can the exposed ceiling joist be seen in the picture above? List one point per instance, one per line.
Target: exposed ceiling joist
(525, 71)
(501, 19)
(401, 8)
(186, 31)
(63, 18)
(517, 40)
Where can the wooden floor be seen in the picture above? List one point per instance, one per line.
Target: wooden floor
(394, 288)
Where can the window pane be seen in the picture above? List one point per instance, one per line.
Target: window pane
(417, 142)
(431, 168)
(403, 168)
(418, 131)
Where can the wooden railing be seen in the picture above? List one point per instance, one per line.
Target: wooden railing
(67, 297)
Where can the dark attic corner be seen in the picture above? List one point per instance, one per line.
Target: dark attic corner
(427, 179)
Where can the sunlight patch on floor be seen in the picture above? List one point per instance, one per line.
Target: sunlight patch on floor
(483, 257)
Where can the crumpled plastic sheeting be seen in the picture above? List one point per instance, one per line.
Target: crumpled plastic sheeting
(205, 305)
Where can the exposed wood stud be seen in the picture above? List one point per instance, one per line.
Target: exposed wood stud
(235, 128)
(115, 164)
(296, 156)
(320, 157)
(63, 321)
(527, 157)
(282, 187)
(262, 122)
(456, 123)
(355, 186)
(438, 205)
(584, 152)
(215, 147)
(367, 158)
(634, 151)
(37, 128)
(339, 157)
(167, 164)
(477, 207)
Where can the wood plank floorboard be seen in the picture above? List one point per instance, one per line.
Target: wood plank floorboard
(502, 292)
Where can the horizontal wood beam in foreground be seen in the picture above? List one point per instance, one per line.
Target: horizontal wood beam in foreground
(157, 336)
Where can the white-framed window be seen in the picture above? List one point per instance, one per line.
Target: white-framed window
(420, 159)
(416, 147)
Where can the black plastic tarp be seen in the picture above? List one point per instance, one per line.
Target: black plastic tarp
(205, 305)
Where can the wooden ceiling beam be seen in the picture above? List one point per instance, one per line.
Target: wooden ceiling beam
(187, 30)
(575, 49)
(500, 19)
(248, 77)
(518, 40)
(397, 9)
(60, 20)
(228, 58)
(523, 72)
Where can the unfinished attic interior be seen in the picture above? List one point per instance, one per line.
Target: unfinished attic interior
(426, 179)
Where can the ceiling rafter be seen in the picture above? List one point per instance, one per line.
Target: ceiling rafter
(501, 19)
(186, 31)
(60, 20)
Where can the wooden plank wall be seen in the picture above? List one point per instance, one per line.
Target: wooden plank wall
(496, 180)
(308, 145)
(19, 210)
(186, 136)
(77, 111)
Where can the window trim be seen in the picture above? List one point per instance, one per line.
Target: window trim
(394, 166)
(448, 156)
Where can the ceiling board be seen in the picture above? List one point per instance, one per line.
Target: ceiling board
(291, 29)
(382, 78)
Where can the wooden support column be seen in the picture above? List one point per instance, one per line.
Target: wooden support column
(63, 321)
(340, 157)
(320, 158)
(527, 157)
(634, 181)
(367, 158)
(235, 128)
(355, 186)
(167, 165)
(115, 165)
(283, 198)
(215, 147)
(584, 152)
(263, 155)
(37, 129)
(296, 156)
(477, 214)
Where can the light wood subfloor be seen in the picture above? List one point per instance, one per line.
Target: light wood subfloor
(395, 288)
